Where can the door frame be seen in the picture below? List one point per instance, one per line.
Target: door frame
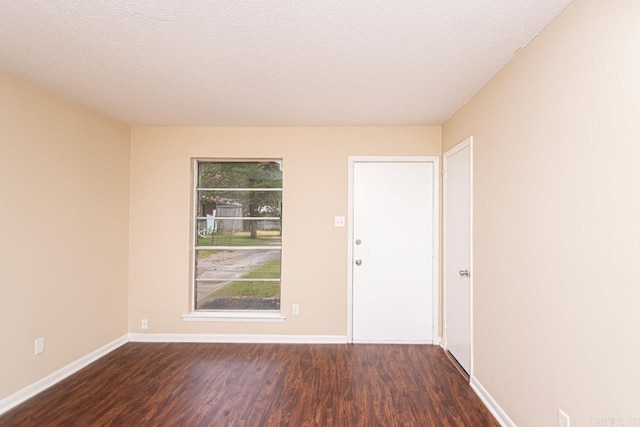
(436, 233)
(458, 147)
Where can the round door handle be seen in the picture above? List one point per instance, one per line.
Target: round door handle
(464, 273)
(358, 262)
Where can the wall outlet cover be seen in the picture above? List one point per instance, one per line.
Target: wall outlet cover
(39, 345)
(563, 419)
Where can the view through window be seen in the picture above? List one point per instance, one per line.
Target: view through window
(238, 241)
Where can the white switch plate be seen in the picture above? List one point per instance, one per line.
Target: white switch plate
(295, 309)
(39, 345)
(563, 419)
(144, 324)
(339, 221)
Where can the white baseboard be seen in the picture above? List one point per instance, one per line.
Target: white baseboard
(62, 373)
(491, 404)
(410, 342)
(240, 338)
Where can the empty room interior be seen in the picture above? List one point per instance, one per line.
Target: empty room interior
(258, 213)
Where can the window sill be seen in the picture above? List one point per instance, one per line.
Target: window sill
(233, 316)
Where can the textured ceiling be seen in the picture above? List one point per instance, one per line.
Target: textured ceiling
(268, 62)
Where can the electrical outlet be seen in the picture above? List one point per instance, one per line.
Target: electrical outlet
(295, 310)
(339, 221)
(144, 324)
(563, 419)
(39, 345)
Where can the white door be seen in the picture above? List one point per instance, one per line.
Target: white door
(393, 248)
(457, 252)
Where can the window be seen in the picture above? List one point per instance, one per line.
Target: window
(237, 247)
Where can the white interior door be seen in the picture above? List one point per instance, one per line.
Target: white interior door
(393, 252)
(457, 252)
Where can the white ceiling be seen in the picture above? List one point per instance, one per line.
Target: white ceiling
(268, 62)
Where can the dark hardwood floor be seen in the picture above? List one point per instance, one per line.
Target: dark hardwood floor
(151, 384)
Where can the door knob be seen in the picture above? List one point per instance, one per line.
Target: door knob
(358, 262)
(464, 273)
(358, 242)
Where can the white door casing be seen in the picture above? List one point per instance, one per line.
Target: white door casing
(458, 252)
(393, 249)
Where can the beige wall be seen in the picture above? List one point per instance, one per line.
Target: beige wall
(314, 260)
(557, 220)
(64, 189)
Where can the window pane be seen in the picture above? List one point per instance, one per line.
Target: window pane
(237, 295)
(240, 204)
(267, 174)
(238, 232)
(237, 264)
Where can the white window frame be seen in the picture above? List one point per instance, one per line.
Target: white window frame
(225, 315)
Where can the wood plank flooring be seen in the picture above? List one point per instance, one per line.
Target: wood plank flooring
(162, 384)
